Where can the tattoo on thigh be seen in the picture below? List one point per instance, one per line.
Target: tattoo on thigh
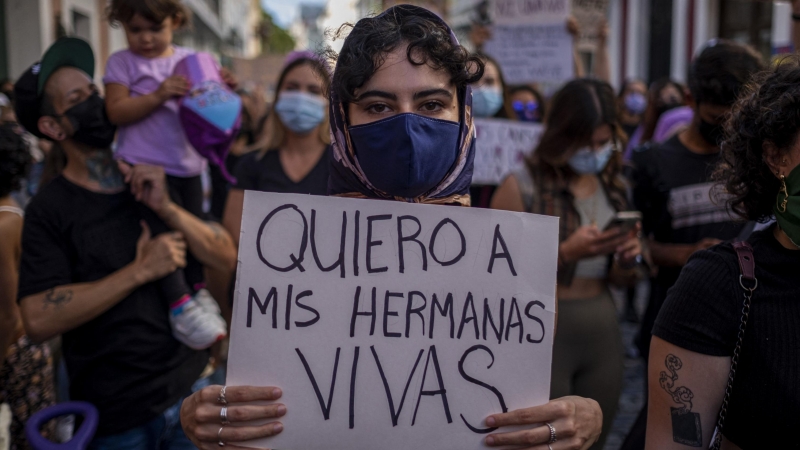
(685, 423)
(57, 299)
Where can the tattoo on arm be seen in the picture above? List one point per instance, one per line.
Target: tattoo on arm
(216, 229)
(57, 299)
(685, 423)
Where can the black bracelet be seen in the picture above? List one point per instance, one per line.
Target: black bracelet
(795, 17)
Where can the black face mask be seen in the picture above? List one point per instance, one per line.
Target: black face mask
(90, 123)
(711, 132)
(661, 109)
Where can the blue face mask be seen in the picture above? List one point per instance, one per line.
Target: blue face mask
(586, 161)
(635, 103)
(406, 155)
(486, 101)
(301, 112)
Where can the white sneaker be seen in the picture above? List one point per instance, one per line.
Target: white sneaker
(194, 326)
(203, 296)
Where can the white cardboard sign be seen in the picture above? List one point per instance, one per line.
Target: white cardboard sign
(532, 53)
(501, 147)
(392, 325)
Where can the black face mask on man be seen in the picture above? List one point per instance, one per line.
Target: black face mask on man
(90, 123)
(711, 132)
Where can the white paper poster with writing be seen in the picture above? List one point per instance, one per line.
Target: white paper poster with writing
(501, 147)
(530, 40)
(392, 325)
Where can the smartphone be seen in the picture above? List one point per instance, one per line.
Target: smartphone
(626, 220)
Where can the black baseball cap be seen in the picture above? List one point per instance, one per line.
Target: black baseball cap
(65, 52)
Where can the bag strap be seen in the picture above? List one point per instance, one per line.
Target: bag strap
(749, 283)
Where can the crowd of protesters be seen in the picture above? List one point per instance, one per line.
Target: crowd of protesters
(116, 283)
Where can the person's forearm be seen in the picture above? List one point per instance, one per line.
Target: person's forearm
(63, 308)
(10, 322)
(129, 110)
(209, 242)
(9, 328)
(602, 67)
(580, 71)
(670, 255)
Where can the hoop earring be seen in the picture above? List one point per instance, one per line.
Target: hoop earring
(785, 192)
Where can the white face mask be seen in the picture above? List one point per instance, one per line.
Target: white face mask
(587, 161)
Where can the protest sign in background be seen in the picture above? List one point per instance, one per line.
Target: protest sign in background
(392, 325)
(589, 14)
(530, 40)
(501, 147)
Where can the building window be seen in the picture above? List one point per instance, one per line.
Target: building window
(81, 26)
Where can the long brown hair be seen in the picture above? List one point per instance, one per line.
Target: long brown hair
(506, 111)
(275, 130)
(575, 112)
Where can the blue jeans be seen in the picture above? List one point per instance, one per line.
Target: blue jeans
(162, 433)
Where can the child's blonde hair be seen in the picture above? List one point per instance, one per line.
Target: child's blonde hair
(156, 11)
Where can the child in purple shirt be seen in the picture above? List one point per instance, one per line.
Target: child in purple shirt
(142, 99)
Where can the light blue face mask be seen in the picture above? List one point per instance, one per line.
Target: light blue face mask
(486, 101)
(301, 112)
(586, 161)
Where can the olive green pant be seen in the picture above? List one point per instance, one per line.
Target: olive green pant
(588, 355)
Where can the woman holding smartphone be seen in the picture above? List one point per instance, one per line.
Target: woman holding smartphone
(574, 174)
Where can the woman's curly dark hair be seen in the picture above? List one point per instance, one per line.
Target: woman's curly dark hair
(15, 159)
(372, 38)
(767, 112)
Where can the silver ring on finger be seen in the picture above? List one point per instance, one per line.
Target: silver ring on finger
(219, 436)
(223, 416)
(221, 398)
(553, 437)
(549, 447)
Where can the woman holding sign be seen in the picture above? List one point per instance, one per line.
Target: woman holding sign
(574, 174)
(402, 70)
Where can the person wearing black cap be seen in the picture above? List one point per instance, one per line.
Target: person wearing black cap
(89, 263)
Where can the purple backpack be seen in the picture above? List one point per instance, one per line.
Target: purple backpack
(210, 112)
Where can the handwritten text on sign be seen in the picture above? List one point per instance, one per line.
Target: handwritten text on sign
(532, 53)
(501, 148)
(519, 12)
(391, 325)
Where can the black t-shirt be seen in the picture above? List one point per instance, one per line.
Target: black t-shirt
(125, 361)
(266, 174)
(702, 314)
(672, 189)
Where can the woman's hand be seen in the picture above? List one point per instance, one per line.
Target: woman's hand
(588, 241)
(201, 417)
(629, 253)
(573, 27)
(576, 420)
(229, 78)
